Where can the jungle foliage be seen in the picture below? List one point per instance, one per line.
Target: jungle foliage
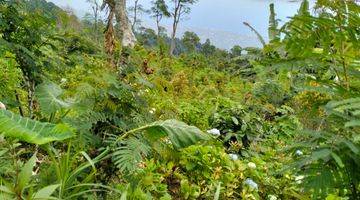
(280, 122)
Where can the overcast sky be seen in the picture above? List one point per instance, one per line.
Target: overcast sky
(217, 18)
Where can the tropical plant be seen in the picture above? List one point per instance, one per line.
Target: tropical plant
(23, 187)
(129, 152)
(306, 37)
(332, 159)
(32, 131)
(74, 173)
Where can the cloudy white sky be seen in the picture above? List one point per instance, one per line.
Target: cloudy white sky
(219, 20)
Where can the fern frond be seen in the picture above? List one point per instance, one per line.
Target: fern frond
(320, 181)
(130, 153)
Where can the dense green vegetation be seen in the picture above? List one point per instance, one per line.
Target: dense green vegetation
(83, 116)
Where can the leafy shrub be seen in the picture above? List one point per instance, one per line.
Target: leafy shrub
(308, 105)
(206, 167)
(333, 153)
(237, 125)
(10, 77)
(270, 92)
(180, 82)
(194, 113)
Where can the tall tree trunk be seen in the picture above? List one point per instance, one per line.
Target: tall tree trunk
(176, 18)
(135, 15)
(158, 19)
(126, 33)
(273, 32)
(96, 11)
(109, 33)
(173, 44)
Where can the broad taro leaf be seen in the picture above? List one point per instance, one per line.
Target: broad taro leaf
(180, 134)
(32, 131)
(48, 95)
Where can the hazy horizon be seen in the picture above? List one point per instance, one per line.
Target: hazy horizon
(218, 20)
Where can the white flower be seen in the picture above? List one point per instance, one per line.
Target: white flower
(234, 156)
(251, 183)
(214, 131)
(251, 165)
(2, 106)
(63, 80)
(289, 75)
(152, 110)
(272, 197)
(299, 153)
(312, 77)
(299, 179)
(167, 141)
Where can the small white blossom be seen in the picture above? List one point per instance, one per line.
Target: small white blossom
(63, 80)
(251, 165)
(299, 179)
(2, 106)
(299, 153)
(251, 183)
(152, 110)
(289, 75)
(272, 197)
(167, 141)
(214, 131)
(312, 77)
(234, 156)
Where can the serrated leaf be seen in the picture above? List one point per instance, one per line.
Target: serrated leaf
(32, 131)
